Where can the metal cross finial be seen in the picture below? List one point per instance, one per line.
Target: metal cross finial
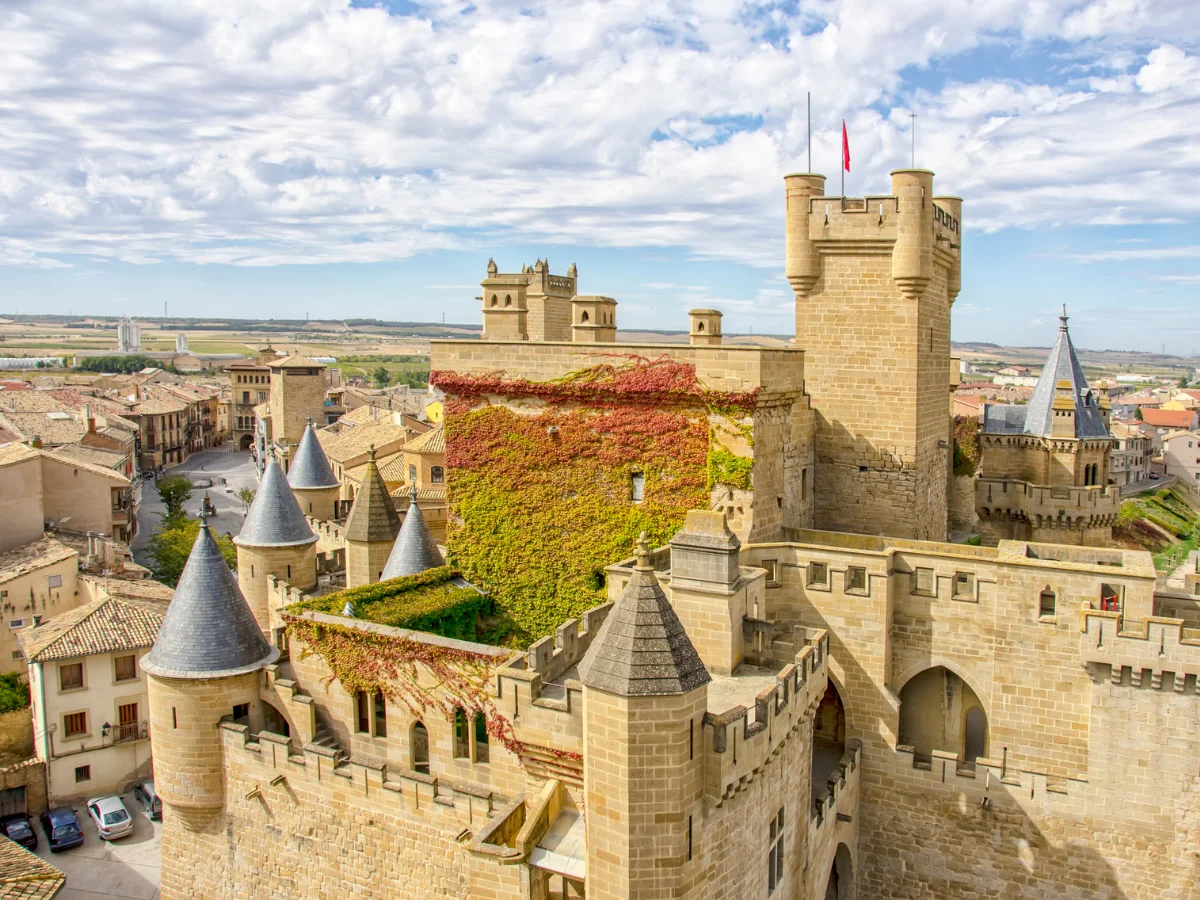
(206, 510)
(371, 453)
(643, 551)
(413, 494)
(1063, 319)
(913, 117)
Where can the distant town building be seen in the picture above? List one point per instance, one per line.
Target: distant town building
(129, 336)
(1181, 455)
(181, 343)
(1129, 462)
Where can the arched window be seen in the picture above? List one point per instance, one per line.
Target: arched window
(495, 300)
(380, 715)
(481, 738)
(508, 299)
(437, 474)
(699, 326)
(1047, 603)
(418, 742)
(584, 317)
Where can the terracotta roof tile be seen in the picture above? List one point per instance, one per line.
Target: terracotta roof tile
(432, 441)
(103, 626)
(30, 557)
(24, 876)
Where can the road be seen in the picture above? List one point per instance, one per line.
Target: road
(235, 466)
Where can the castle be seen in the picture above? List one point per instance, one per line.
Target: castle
(752, 664)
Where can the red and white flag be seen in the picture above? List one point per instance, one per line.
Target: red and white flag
(845, 148)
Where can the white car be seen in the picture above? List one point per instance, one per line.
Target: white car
(111, 817)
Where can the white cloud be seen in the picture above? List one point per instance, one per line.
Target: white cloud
(1188, 252)
(258, 133)
(1178, 279)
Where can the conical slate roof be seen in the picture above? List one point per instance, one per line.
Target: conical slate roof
(275, 518)
(373, 517)
(209, 631)
(310, 467)
(415, 550)
(1063, 380)
(642, 649)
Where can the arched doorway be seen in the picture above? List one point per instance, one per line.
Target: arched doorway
(940, 711)
(840, 885)
(245, 441)
(419, 744)
(829, 739)
(273, 720)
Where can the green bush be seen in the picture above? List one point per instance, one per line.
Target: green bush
(13, 693)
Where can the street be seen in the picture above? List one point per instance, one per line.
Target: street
(235, 466)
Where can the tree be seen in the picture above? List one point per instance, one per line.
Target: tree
(170, 548)
(1183, 381)
(382, 376)
(175, 492)
(1137, 414)
(246, 495)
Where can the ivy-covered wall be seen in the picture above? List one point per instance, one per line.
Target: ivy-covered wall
(541, 476)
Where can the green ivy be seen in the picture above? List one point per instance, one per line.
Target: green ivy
(726, 467)
(431, 601)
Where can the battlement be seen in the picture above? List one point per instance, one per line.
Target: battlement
(739, 744)
(1166, 648)
(276, 765)
(330, 535)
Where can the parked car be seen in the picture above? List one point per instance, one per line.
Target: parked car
(17, 828)
(111, 817)
(1154, 476)
(145, 794)
(61, 828)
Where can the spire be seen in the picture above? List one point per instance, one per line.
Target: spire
(642, 648)
(209, 631)
(1063, 386)
(275, 518)
(1062, 320)
(373, 517)
(415, 550)
(310, 468)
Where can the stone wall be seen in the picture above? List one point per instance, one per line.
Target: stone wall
(963, 516)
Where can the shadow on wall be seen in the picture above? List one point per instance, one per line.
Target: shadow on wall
(841, 876)
(921, 838)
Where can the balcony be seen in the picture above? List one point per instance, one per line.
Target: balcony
(134, 731)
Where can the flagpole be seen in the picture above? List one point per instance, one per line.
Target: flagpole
(842, 163)
(810, 132)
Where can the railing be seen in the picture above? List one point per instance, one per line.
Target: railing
(123, 734)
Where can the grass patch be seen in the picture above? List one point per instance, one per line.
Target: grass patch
(1143, 520)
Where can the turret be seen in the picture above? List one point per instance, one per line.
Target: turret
(205, 666)
(275, 540)
(912, 255)
(704, 327)
(311, 478)
(371, 528)
(803, 262)
(505, 307)
(415, 550)
(593, 319)
(644, 699)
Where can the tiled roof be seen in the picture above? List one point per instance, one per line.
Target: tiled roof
(105, 459)
(1169, 418)
(106, 625)
(24, 876)
(432, 441)
(11, 454)
(32, 556)
(55, 427)
(158, 406)
(209, 630)
(275, 518)
(391, 468)
(429, 496)
(86, 467)
(373, 517)
(295, 362)
(642, 648)
(354, 442)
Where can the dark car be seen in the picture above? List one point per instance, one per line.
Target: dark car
(144, 793)
(62, 828)
(17, 828)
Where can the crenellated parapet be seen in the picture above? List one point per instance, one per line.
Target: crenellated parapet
(1165, 648)
(740, 741)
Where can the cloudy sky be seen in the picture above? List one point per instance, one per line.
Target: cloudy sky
(278, 157)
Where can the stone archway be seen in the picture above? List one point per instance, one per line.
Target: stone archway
(939, 710)
(829, 739)
(245, 441)
(840, 885)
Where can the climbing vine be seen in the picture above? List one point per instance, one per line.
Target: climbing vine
(549, 482)
(966, 445)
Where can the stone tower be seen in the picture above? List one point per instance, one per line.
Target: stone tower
(275, 540)
(297, 394)
(644, 700)
(1043, 466)
(371, 528)
(874, 280)
(415, 550)
(205, 665)
(312, 480)
(593, 319)
(704, 327)
(530, 305)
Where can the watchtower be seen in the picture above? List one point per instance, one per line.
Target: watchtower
(311, 478)
(593, 319)
(371, 528)
(704, 327)
(874, 279)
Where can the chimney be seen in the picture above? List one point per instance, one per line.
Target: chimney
(36, 442)
(87, 418)
(37, 620)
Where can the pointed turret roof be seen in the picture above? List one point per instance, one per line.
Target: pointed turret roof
(310, 468)
(209, 631)
(415, 550)
(275, 518)
(642, 648)
(373, 517)
(1062, 385)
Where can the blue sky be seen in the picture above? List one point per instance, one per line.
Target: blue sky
(278, 157)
